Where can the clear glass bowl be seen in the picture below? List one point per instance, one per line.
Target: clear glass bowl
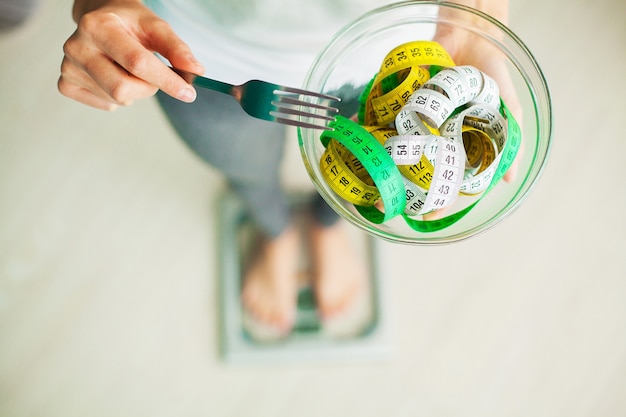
(355, 54)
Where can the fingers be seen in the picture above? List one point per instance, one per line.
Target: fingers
(438, 214)
(101, 83)
(110, 62)
(449, 39)
(140, 64)
(84, 95)
(164, 41)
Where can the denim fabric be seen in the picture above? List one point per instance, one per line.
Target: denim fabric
(246, 150)
(15, 12)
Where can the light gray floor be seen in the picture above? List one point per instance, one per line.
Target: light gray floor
(108, 261)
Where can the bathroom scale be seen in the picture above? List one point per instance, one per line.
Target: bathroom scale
(364, 334)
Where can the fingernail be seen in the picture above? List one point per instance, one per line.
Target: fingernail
(187, 95)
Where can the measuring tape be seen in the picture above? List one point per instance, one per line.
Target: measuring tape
(345, 180)
(486, 141)
(381, 106)
(427, 132)
(374, 158)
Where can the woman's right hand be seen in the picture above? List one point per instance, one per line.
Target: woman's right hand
(109, 60)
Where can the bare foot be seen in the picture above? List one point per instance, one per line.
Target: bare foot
(270, 286)
(339, 273)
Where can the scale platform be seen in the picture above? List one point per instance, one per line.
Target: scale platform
(310, 340)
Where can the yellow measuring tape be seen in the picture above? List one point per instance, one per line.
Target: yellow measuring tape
(421, 140)
(382, 106)
(349, 182)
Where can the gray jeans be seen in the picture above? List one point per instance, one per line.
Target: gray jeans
(246, 150)
(15, 12)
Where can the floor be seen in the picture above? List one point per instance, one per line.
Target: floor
(108, 261)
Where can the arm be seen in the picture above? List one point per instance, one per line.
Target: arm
(109, 60)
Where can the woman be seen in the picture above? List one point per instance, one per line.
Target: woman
(110, 61)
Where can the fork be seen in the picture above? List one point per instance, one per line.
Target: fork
(272, 102)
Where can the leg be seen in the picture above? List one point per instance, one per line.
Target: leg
(248, 151)
(340, 275)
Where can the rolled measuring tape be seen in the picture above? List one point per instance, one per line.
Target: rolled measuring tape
(374, 158)
(344, 180)
(508, 155)
(488, 127)
(382, 105)
(427, 132)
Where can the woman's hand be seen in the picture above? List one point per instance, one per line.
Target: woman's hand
(466, 49)
(472, 50)
(109, 60)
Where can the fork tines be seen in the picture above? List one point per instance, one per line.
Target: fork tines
(292, 104)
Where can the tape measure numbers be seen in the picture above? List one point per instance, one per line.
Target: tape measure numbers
(381, 107)
(421, 140)
(374, 158)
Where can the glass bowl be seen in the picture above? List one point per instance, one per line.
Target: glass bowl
(354, 56)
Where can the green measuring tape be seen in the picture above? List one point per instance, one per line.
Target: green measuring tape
(376, 161)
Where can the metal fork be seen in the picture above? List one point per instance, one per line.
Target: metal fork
(273, 102)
